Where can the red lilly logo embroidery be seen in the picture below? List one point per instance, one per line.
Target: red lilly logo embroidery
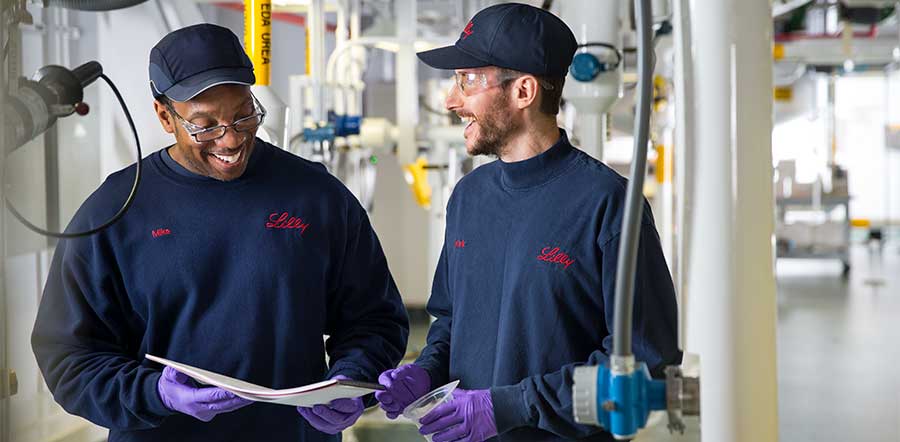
(467, 31)
(285, 221)
(554, 255)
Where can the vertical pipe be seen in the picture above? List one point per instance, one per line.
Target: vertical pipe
(4, 407)
(341, 89)
(591, 132)
(52, 54)
(315, 22)
(666, 194)
(731, 278)
(358, 56)
(831, 124)
(407, 95)
(684, 146)
(258, 38)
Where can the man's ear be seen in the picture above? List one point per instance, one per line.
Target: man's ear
(525, 91)
(165, 119)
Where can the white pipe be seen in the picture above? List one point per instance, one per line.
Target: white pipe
(591, 132)
(684, 147)
(731, 315)
(359, 56)
(340, 49)
(406, 80)
(316, 35)
(340, 35)
(4, 306)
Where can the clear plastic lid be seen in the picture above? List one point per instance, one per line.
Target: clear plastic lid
(430, 401)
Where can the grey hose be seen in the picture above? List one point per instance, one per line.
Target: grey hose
(634, 200)
(93, 5)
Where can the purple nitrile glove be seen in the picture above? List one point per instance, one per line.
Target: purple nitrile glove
(468, 417)
(336, 416)
(403, 385)
(178, 394)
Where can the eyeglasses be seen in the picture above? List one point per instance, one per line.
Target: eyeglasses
(471, 83)
(202, 134)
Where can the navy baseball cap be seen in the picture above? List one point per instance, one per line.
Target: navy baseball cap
(191, 60)
(512, 36)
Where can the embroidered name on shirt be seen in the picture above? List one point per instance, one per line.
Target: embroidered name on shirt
(459, 244)
(552, 254)
(160, 232)
(285, 221)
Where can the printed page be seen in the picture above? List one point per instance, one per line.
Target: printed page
(305, 396)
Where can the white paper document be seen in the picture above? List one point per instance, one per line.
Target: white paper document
(305, 396)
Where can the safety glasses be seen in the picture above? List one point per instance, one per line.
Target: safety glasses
(471, 83)
(206, 134)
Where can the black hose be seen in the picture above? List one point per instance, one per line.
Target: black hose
(93, 5)
(128, 201)
(619, 56)
(634, 200)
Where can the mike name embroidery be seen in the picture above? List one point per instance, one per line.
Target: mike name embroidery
(553, 255)
(285, 221)
(160, 232)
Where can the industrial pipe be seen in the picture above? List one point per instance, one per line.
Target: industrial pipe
(258, 38)
(93, 5)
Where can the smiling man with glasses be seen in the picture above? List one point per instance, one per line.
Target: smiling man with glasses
(236, 257)
(523, 290)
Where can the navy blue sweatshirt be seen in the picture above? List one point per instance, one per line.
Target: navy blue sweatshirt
(523, 290)
(241, 277)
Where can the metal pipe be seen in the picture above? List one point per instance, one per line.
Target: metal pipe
(340, 36)
(316, 56)
(684, 154)
(634, 200)
(5, 432)
(406, 79)
(93, 5)
(258, 38)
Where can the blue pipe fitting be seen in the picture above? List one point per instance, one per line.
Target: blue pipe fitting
(621, 402)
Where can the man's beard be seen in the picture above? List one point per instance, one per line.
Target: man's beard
(495, 129)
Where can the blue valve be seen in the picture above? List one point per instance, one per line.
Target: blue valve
(585, 67)
(319, 134)
(344, 125)
(620, 403)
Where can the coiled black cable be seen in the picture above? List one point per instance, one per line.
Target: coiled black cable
(128, 201)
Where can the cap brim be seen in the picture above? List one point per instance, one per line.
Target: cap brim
(450, 57)
(192, 86)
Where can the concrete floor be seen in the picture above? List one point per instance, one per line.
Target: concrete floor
(838, 356)
(839, 349)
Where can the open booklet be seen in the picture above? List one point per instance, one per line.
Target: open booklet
(305, 396)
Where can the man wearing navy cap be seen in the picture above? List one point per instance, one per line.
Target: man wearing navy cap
(236, 257)
(523, 291)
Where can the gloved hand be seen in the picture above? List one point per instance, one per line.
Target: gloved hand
(403, 385)
(178, 394)
(336, 416)
(468, 417)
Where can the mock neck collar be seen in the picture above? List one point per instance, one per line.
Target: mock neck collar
(541, 168)
(173, 170)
